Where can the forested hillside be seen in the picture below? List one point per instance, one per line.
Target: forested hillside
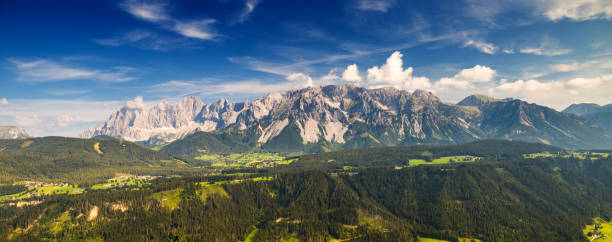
(545, 199)
(207, 143)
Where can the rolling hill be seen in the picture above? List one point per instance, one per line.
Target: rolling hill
(61, 157)
(399, 156)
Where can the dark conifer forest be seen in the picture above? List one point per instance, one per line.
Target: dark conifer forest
(502, 198)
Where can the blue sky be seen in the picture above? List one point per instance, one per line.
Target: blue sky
(67, 65)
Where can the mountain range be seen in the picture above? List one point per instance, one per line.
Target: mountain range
(326, 118)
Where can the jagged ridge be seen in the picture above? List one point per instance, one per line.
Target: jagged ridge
(348, 116)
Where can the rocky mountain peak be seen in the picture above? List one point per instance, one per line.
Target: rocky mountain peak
(191, 101)
(425, 95)
(477, 100)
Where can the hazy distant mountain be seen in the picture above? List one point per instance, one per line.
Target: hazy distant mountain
(339, 117)
(13, 132)
(582, 109)
(600, 115)
(516, 119)
(603, 120)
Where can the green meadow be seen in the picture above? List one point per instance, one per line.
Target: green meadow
(444, 160)
(124, 182)
(244, 160)
(44, 190)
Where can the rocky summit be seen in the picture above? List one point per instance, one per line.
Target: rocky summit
(349, 116)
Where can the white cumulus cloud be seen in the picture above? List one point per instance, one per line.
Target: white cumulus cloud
(301, 78)
(392, 73)
(586, 82)
(56, 117)
(465, 82)
(137, 103)
(556, 93)
(477, 73)
(351, 74)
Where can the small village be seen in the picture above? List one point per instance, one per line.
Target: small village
(599, 231)
(595, 234)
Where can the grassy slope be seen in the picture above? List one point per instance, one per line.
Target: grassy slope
(169, 199)
(444, 160)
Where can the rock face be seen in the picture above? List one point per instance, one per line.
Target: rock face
(317, 114)
(348, 116)
(13, 132)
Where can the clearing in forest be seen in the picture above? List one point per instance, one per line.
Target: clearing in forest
(96, 147)
(444, 160)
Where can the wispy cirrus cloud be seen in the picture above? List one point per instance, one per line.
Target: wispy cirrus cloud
(565, 67)
(491, 12)
(541, 50)
(482, 46)
(547, 47)
(355, 51)
(156, 13)
(249, 7)
(67, 92)
(248, 88)
(150, 11)
(198, 29)
(576, 10)
(374, 5)
(148, 40)
(44, 70)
